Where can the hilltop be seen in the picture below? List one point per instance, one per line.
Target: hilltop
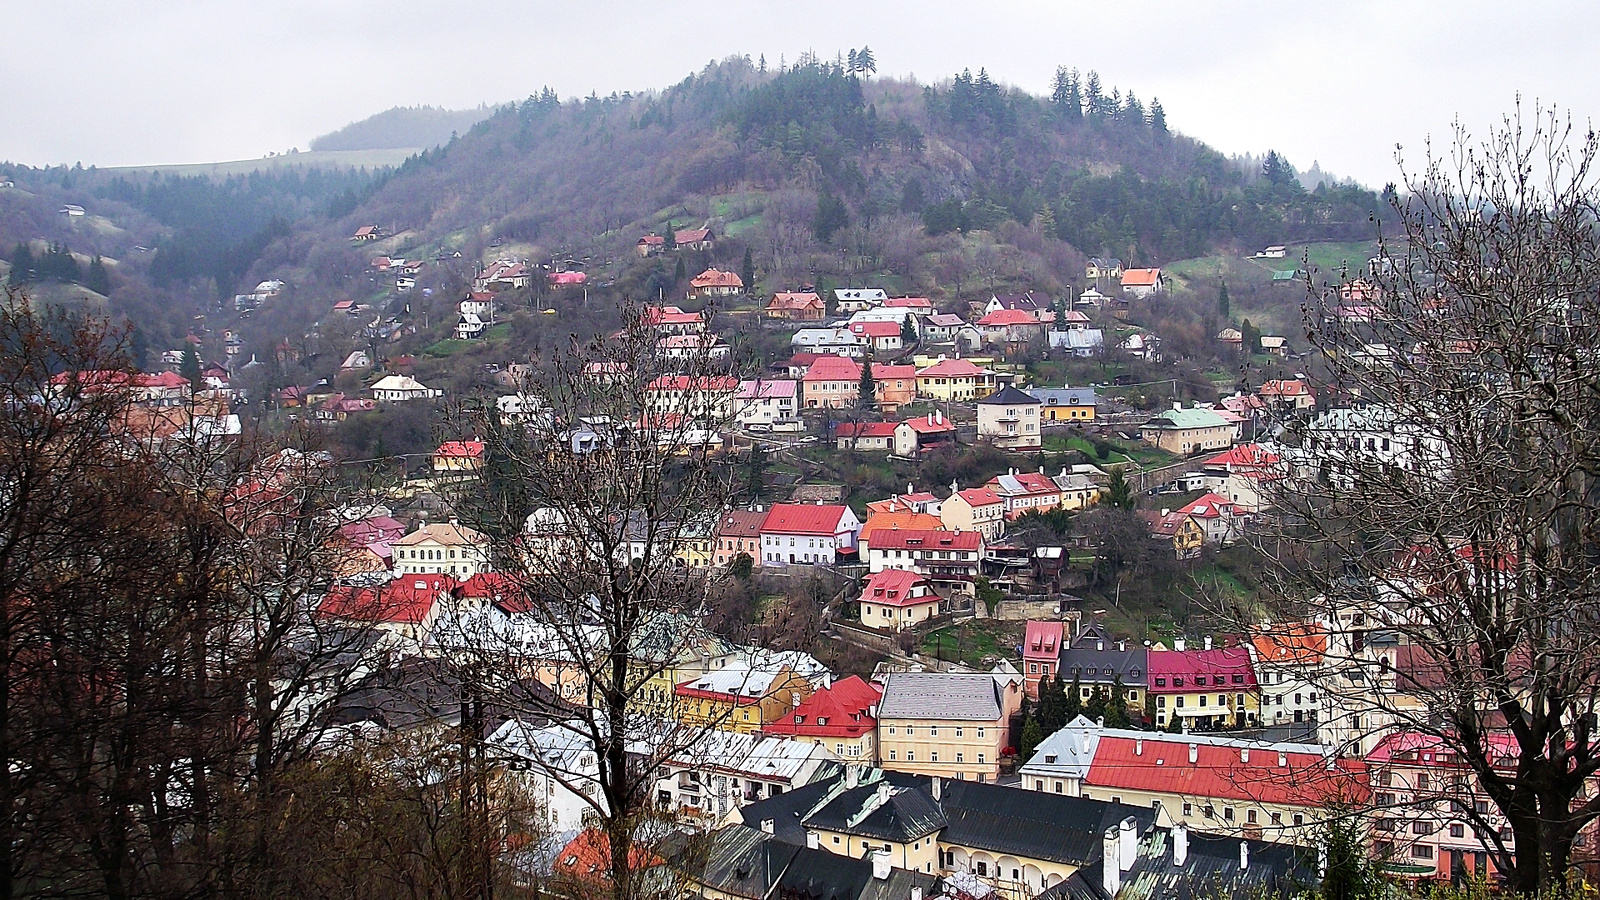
(402, 128)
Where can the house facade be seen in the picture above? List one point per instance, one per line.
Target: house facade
(443, 548)
(975, 509)
(946, 725)
(808, 533)
(1009, 419)
(1065, 404)
(1182, 431)
(897, 599)
(954, 379)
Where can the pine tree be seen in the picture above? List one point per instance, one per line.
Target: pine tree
(1119, 494)
(1098, 702)
(1132, 109)
(1051, 710)
(1058, 92)
(1222, 301)
(98, 279)
(1158, 117)
(23, 268)
(669, 239)
(868, 388)
(1094, 104)
(747, 271)
(1032, 737)
(908, 332)
(679, 272)
(851, 60)
(1117, 707)
(866, 62)
(189, 367)
(755, 485)
(1073, 705)
(1276, 170)
(761, 67)
(1047, 222)
(831, 216)
(1074, 96)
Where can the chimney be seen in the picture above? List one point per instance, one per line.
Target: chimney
(766, 825)
(812, 841)
(880, 865)
(1177, 404)
(1208, 642)
(1122, 645)
(1165, 510)
(1194, 753)
(1244, 754)
(1110, 873)
(1138, 746)
(1128, 844)
(1099, 645)
(1244, 855)
(916, 893)
(1041, 470)
(1283, 759)
(934, 789)
(852, 777)
(1180, 643)
(1180, 844)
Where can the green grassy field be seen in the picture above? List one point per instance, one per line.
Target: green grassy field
(973, 641)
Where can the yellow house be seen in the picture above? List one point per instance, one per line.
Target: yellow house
(954, 379)
(1066, 404)
(1183, 431)
(1183, 530)
(684, 649)
(697, 544)
(946, 724)
(738, 698)
(974, 509)
(444, 548)
(1207, 688)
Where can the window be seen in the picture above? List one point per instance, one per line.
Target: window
(836, 839)
(1058, 787)
(1277, 818)
(1209, 811)
(1238, 679)
(891, 729)
(1161, 682)
(911, 730)
(1250, 817)
(1421, 851)
(933, 730)
(1161, 702)
(980, 757)
(911, 756)
(980, 734)
(1422, 826)
(1179, 704)
(1299, 819)
(934, 756)
(1188, 808)
(1202, 699)
(959, 731)
(1227, 813)
(1480, 806)
(959, 756)
(1457, 830)
(1200, 679)
(892, 753)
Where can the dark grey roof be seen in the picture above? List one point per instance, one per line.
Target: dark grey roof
(789, 810)
(1211, 872)
(1052, 827)
(1064, 396)
(1008, 395)
(940, 695)
(745, 862)
(882, 811)
(1132, 663)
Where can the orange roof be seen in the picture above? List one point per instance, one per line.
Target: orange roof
(1292, 387)
(980, 497)
(794, 300)
(903, 520)
(1002, 317)
(1140, 277)
(460, 450)
(588, 856)
(1292, 642)
(717, 278)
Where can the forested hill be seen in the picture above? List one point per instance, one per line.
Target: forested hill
(402, 127)
(1091, 165)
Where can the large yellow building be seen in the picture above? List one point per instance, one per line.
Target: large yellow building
(954, 379)
(1066, 404)
(946, 724)
(739, 698)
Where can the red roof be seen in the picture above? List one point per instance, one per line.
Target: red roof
(882, 371)
(911, 539)
(794, 300)
(1191, 666)
(932, 423)
(980, 497)
(565, 278)
(1291, 643)
(1162, 765)
(804, 518)
(1033, 483)
(717, 278)
(691, 383)
(1430, 750)
(875, 329)
(1209, 506)
(587, 857)
(843, 709)
(865, 429)
(669, 315)
(407, 600)
(1001, 317)
(1290, 387)
(1140, 277)
(895, 587)
(691, 235)
(1244, 456)
(908, 303)
(829, 367)
(1042, 640)
(652, 240)
(741, 523)
(460, 450)
(952, 368)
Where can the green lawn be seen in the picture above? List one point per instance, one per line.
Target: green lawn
(446, 347)
(973, 641)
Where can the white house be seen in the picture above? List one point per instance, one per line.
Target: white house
(444, 548)
(726, 770)
(808, 533)
(558, 765)
(469, 327)
(837, 341)
(763, 404)
(857, 299)
(402, 388)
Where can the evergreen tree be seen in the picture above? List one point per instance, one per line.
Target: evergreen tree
(1073, 705)
(761, 67)
(908, 332)
(1098, 702)
(23, 268)
(912, 198)
(1074, 108)
(1149, 710)
(1132, 110)
(747, 271)
(189, 367)
(1222, 301)
(831, 216)
(679, 272)
(868, 388)
(866, 62)
(1119, 494)
(1277, 171)
(98, 279)
(1117, 707)
(1094, 104)
(1251, 344)
(830, 302)
(755, 485)
(1060, 88)
(1047, 221)
(1051, 710)
(669, 238)
(1158, 117)
(1032, 736)
(1175, 724)
(851, 60)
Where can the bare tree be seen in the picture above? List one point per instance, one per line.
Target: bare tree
(594, 507)
(1443, 520)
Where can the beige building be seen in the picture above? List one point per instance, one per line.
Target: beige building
(1183, 431)
(946, 724)
(1009, 419)
(975, 509)
(446, 548)
(954, 379)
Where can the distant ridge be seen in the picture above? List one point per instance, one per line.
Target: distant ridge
(403, 127)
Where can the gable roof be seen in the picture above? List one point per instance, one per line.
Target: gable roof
(1140, 277)
(896, 587)
(715, 277)
(1188, 417)
(1033, 824)
(842, 709)
(1042, 640)
(931, 539)
(951, 368)
(875, 329)
(882, 810)
(1209, 506)
(980, 496)
(447, 533)
(460, 450)
(406, 600)
(804, 518)
(741, 523)
(1023, 484)
(1065, 395)
(1291, 643)
(1161, 764)
(899, 519)
(865, 429)
(1192, 664)
(794, 300)
(832, 367)
(1003, 317)
(932, 423)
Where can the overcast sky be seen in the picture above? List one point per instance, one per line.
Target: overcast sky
(171, 81)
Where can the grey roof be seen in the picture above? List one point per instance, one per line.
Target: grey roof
(940, 695)
(1066, 754)
(1211, 871)
(1008, 395)
(1051, 827)
(1064, 396)
(1093, 651)
(744, 862)
(883, 810)
(788, 810)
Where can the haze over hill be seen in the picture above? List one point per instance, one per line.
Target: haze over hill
(403, 127)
